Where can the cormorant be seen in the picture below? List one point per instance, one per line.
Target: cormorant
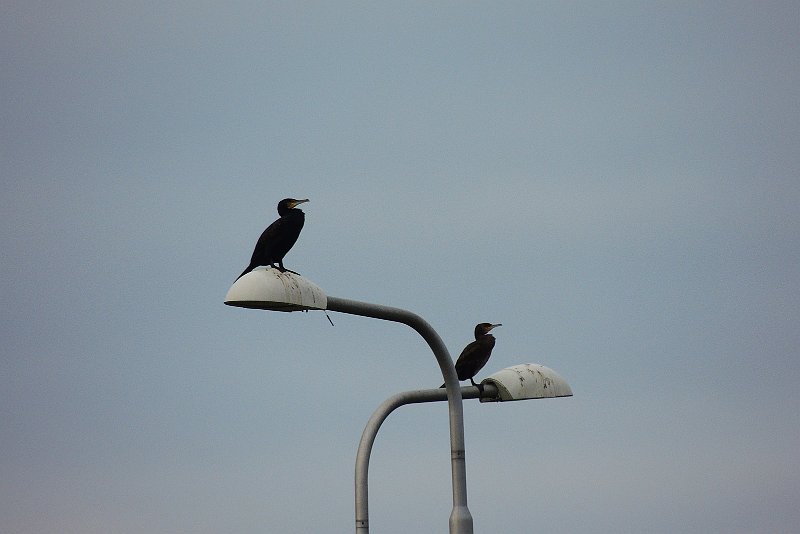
(279, 237)
(476, 354)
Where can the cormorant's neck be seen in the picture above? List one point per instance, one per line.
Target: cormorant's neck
(286, 211)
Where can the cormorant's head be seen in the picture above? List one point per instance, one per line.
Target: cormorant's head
(289, 203)
(484, 328)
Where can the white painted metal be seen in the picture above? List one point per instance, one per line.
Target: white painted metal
(267, 288)
(527, 381)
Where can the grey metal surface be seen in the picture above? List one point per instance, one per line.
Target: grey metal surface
(371, 432)
(460, 517)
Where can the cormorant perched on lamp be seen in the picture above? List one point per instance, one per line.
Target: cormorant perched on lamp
(279, 237)
(476, 354)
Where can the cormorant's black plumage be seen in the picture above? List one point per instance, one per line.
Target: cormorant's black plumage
(279, 237)
(476, 354)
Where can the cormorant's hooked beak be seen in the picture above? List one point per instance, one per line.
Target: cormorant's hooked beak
(297, 203)
(493, 326)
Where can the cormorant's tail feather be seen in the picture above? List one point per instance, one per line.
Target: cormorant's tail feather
(249, 268)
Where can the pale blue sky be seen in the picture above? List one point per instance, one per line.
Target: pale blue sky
(617, 183)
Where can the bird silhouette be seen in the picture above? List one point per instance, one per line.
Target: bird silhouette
(476, 354)
(279, 237)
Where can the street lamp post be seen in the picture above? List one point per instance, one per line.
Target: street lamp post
(270, 289)
(371, 431)
(460, 517)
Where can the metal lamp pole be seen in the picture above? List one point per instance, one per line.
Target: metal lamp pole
(371, 432)
(270, 289)
(460, 518)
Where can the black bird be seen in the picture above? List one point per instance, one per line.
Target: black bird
(279, 237)
(476, 354)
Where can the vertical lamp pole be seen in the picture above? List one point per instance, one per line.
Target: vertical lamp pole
(460, 518)
(371, 432)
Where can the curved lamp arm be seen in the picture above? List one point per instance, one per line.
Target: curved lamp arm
(460, 517)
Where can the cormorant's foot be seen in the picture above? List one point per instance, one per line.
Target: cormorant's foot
(479, 386)
(283, 269)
